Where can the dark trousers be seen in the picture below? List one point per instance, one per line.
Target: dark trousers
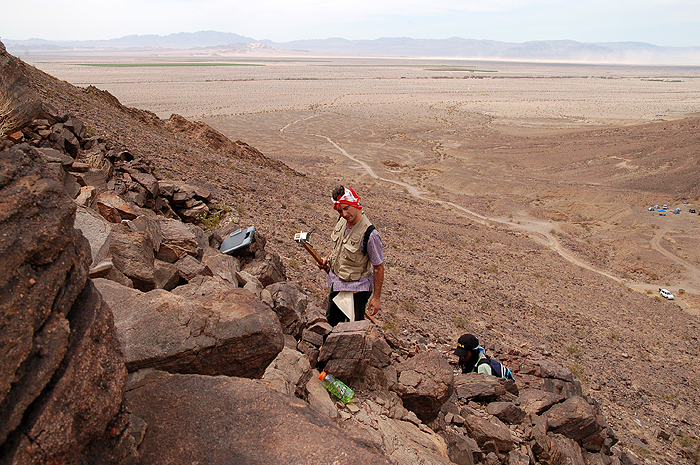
(334, 315)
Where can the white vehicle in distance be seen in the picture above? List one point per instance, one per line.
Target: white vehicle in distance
(666, 293)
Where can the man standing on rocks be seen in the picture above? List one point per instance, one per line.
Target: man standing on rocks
(356, 262)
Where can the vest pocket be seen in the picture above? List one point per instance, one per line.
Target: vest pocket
(353, 263)
(353, 252)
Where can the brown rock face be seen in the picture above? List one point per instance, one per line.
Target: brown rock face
(352, 348)
(290, 304)
(478, 386)
(491, 433)
(177, 241)
(132, 253)
(506, 412)
(61, 372)
(205, 329)
(425, 383)
(578, 420)
(268, 269)
(19, 102)
(222, 420)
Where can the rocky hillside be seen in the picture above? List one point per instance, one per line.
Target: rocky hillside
(222, 352)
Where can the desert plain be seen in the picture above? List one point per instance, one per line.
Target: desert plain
(512, 199)
(554, 150)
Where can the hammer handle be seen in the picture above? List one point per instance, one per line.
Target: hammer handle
(371, 318)
(314, 254)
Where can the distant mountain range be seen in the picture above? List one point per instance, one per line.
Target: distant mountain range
(181, 40)
(455, 47)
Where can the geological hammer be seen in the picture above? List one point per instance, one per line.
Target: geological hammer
(303, 239)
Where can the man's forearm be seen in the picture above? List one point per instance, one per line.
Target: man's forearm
(378, 280)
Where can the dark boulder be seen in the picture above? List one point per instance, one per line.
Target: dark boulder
(177, 241)
(189, 268)
(507, 412)
(222, 265)
(554, 449)
(203, 328)
(581, 421)
(223, 420)
(61, 371)
(478, 386)
(268, 269)
(534, 401)
(491, 434)
(425, 382)
(131, 252)
(352, 349)
(290, 303)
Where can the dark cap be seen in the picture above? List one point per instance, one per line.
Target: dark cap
(465, 344)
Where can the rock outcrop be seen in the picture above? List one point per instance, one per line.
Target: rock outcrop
(62, 374)
(203, 328)
(218, 419)
(19, 102)
(424, 383)
(409, 405)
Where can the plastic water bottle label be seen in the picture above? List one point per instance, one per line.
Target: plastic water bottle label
(343, 392)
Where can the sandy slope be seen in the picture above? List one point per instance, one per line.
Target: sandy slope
(513, 207)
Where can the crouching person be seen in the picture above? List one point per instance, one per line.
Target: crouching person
(473, 358)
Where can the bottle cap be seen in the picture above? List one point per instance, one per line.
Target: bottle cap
(322, 375)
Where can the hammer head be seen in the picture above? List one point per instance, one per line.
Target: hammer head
(302, 237)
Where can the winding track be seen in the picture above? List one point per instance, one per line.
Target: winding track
(539, 228)
(656, 245)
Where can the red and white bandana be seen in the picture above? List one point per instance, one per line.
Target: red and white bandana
(348, 198)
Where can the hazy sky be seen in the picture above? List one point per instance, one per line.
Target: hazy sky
(659, 22)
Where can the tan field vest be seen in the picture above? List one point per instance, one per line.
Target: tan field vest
(347, 260)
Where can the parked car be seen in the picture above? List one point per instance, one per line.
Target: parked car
(665, 207)
(666, 293)
(692, 210)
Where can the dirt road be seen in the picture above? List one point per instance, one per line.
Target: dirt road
(540, 230)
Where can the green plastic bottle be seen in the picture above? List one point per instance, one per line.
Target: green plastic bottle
(336, 387)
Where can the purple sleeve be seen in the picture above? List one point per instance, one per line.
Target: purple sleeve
(375, 249)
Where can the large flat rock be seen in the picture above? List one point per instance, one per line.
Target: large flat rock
(225, 420)
(205, 329)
